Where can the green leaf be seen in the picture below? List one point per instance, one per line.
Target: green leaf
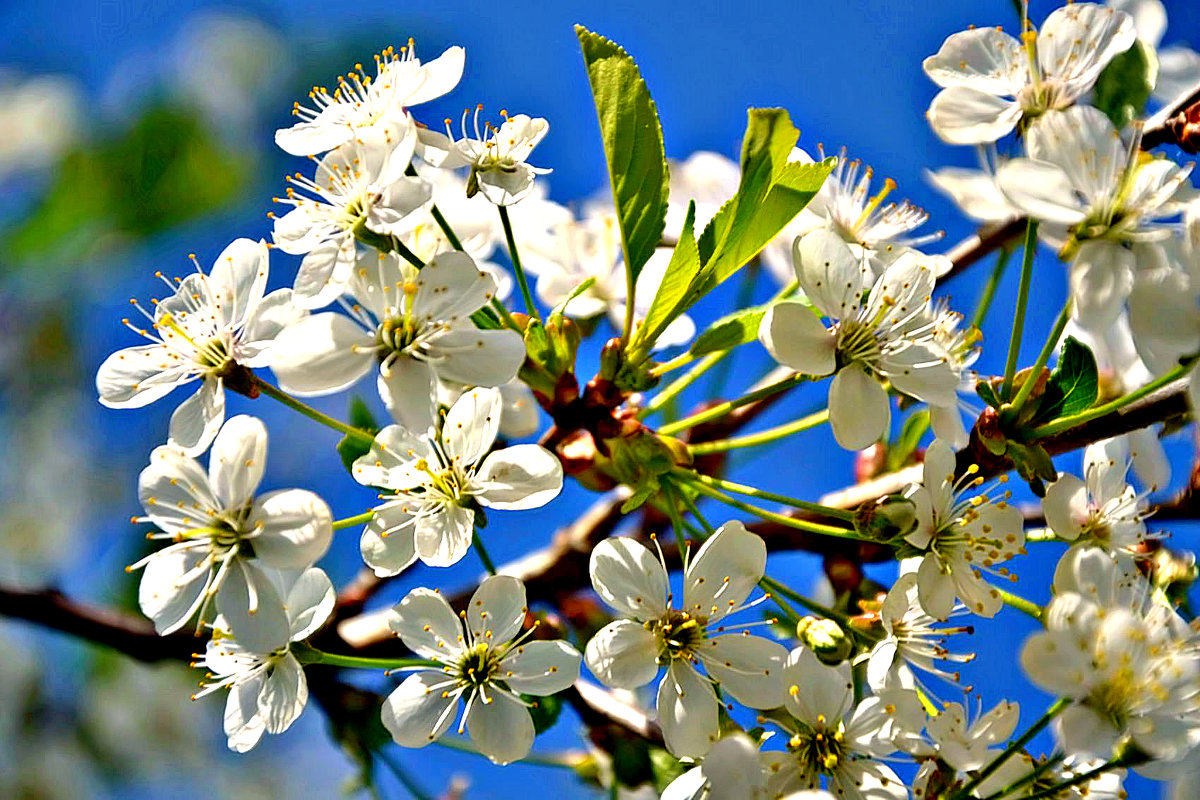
(680, 272)
(906, 443)
(633, 146)
(1124, 87)
(987, 393)
(544, 709)
(351, 448)
(1073, 386)
(729, 331)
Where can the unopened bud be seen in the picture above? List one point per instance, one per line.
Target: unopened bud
(1173, 572)
(825, 638)
(886, 519)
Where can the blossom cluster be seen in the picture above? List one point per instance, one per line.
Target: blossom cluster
(413, 245)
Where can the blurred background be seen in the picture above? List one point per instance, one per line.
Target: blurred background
(133, 133)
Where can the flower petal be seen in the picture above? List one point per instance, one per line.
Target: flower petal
(418, 711)
(687, 711)
(237, 460)
(244, 726)
(622, 655)
(830, 274)
(284, 693)
(984, 58)
(749, 667)
(541, 668)
(501, 728)
(1042, 190)
(629, 578)
(137, 376)
(444, 537)
(309, 603)
(407, 389)
(859, 412)
(322, 354)
(427, 625)
(263, 629)
(965, 115)
(161, 596)
(724, 571)
(497, 610)
(471, 426)
(477, 357)
(295, 528)
(795, 338)
(238, 280)
(519, 477)
(196, 421)
(814, 689)
(1065, 506)
(388, 544)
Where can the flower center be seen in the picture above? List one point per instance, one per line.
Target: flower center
(1115, 697)
(820, 748)
(857, 343)
(678, 634)
(477, 665)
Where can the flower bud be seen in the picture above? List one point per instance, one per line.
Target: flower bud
(886, 519)
(825, 638)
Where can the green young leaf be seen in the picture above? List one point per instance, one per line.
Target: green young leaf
(1124, 87)
(1073, 386)
(987, 393)
(351, 448)
(633, 146)
(729, 331)
(906, 443)
(680, 272)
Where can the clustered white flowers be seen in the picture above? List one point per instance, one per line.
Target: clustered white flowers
(397, 225)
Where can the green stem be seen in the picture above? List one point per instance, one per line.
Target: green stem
(762, 437)
(673, 389)
(1078, 780)
(681, 360)
(750, 491)
(350, 522)
(1018, 328)
(1066, 423)
(1048, 764)
(312, 413)
(310, 655)
(445, 226)
(513, 256)
(782, 519)
(721, 409)
(1013, 748)
(1021, 604)
(672, 509)
(989, 290)
(709, 530)
(775, 587)
(477, 542)
(1056, 333)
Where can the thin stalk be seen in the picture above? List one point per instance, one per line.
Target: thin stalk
(762, 437)
(477, 542)
(515, 257)
(310, 655)
(775, 587)
(312, 413)
(673, 389)
(1066, 423)
(721, 409)
(1021, 604)
(1056, 333)
(782, 519)
(750, 491)
(989, 289)
(1018, 328)
(411, 171)
(672, 509)
(350, 522)
(1013, 748)
(709, 530)
(681, 360)
(505, 316)
(1078, 780)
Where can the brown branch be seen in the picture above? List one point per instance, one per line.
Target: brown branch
(989, 238)
(1177, 123)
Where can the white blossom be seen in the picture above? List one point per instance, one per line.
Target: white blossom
(733, 768)
(496, 156)
(486, 662)
(968, 745)
(267, 687)
(651, 633)
(211, 325)
(991, 81)
(413, 326)
(440, 480)
(960, 536)
(371, 109)
(1101, 509)
(223, 536)
(888, 337)
(357, 188)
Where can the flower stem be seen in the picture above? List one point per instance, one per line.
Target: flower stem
(515, 257)
(312, 413)
(1048, 764)
(681, 360)
(782, 519)
(446, 229)
(750, 491)
(775, 587)
(1013, 748)
(1018, 328)
(989, 289)
(1056, 333)
(1066, 423)
(1021, 604)
(709, 530)
(310, 655)
(676, 387)
(672, 509)
(1078, 780)
(350, 522)
(721, 409)
(762, 437)
(477, 542)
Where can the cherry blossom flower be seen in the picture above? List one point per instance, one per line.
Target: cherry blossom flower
(414, 326)
(732, 768)
(888, 337)
(213, 325)
(628, 652)
(223, 537)
(487, 662)
(975, 191)
(1106, 786)
(1125, 658)
(267, 688)
(442, 480)
(960, 537)
(371, 109)
(496, 155)
(357, 188)
(967, 745)
(1101, 509)
(1095, 197)
(1178, 66)
(991, 81)
(834, 740)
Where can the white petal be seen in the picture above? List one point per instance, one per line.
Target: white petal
(691, 785)
(924, 372)
(266, 628)
(964, 115)
(451, 288)
(386, 546)
(724, 571)
(984, 58)
(1065, 506)
(440, 76)
(830, 274)
(283, 695)
(622, 655)
(1164, 318)
(237, 460)
(322, 354)
(519, 477)
(163, 598)
(814, 689)
(733, 768)
(312, 138)
(427, 625)
(975, 192)
(1083, 143)
(1086, 733)
(687, 711)
(477, 357)
(859, 412)
(541, 668)
(1040, 189)
(471, 426)
(324, 272)
(244, 726)
(629, 578)
(407, 389)
(309, 603)
(749, 667)
(295, 528)
(1101, 279)
(238, 280)
(392, 461)
(497, 610)
(501, 728)
(416, 713)
(1076, 42)
(175, 492)
(795, 337)
(196, 421)
(137, 376)
(444, 538)
(1054, 663)
(271, 317)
